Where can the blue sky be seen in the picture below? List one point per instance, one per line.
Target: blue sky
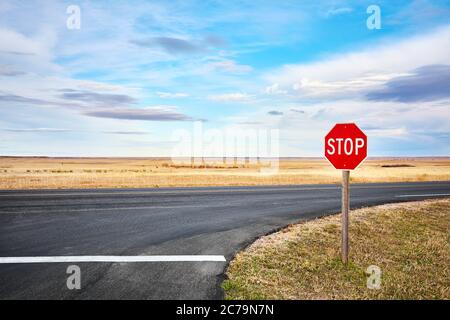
(138, 71)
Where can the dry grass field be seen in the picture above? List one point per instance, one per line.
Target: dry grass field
(55, 173)
(408, 242)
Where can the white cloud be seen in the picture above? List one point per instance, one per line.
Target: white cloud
(237, 96)
(171, 95)
(51, 89)
(18, 44)
(389, 125)
(35, 130)
(230, 66)
(97, 86)
(274, 89)
(150, 113)
(388, 132)
(318, 88)
(350, 74)
(28, 53)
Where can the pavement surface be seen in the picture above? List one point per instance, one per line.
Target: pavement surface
(172, 221)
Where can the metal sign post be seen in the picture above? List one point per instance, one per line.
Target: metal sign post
(345, 213)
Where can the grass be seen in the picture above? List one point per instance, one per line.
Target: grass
(35, 172)
(410, 242)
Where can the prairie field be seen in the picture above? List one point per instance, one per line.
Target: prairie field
(57, 173)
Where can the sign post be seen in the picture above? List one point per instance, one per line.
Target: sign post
(345, 212)
(345, 148)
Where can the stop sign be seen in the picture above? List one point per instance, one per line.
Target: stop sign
(345, 146)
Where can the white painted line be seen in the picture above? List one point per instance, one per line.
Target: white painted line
(422, 195)
(75, 259)
(158, 192)
(111, 209)
(186, 191)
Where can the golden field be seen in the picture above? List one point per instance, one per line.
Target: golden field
(56, 173)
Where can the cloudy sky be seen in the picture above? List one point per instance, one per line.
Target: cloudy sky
(137, 71)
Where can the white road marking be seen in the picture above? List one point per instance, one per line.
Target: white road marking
(109, 209)
(422, 195)
(186, 191)
(157, 192)
(76, 259)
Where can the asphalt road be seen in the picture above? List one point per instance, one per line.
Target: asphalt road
(175, 221)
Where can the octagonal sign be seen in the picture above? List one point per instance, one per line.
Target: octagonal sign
(346, 146)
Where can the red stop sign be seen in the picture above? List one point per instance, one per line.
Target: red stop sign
(346, 146)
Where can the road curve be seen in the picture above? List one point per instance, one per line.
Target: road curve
(172, 221)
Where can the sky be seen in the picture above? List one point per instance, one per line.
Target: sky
(133, 74)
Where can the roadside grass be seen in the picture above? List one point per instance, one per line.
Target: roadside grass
(410, 242)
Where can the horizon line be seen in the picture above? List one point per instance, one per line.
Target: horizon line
(211, 157)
